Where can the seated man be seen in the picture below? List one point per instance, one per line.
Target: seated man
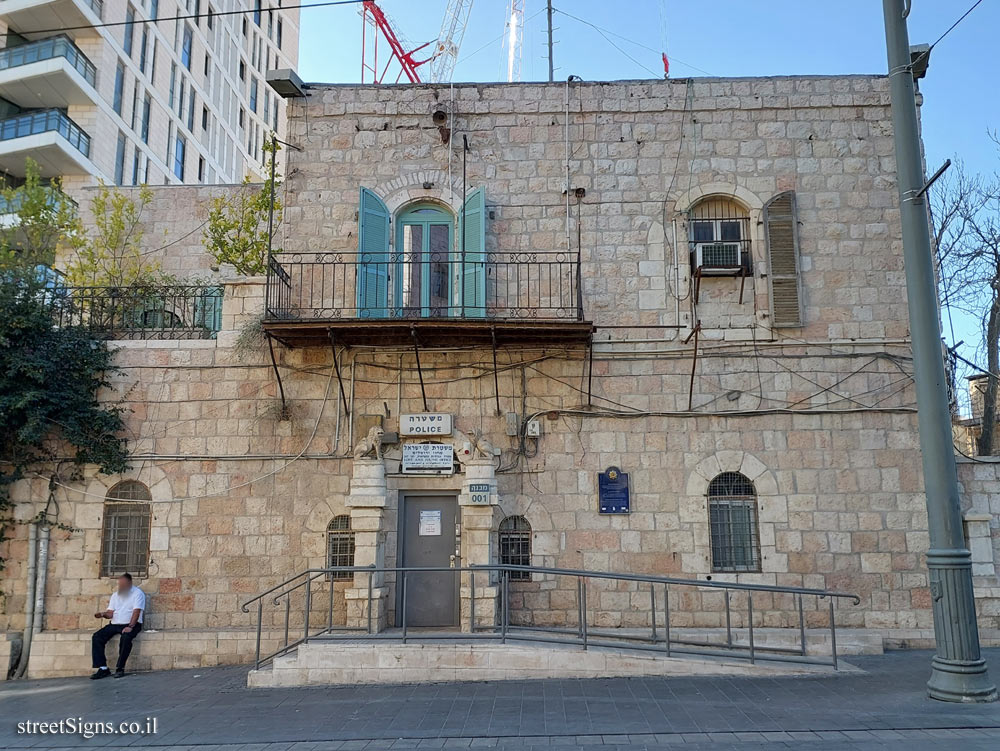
(125, 611)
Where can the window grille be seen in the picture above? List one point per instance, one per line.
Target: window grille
(732, 516)
(339, 547)
(719, 235)
(125, 530)
(515, 545)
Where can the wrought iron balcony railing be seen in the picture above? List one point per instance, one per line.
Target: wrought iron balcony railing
(497, 286)
(139, 312)
(42, 121)
(48, 49)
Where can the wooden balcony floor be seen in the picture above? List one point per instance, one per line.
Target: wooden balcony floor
(430, 332)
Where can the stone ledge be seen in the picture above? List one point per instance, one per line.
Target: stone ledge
(387, 663)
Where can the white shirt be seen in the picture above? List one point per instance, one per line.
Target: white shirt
(123, 605)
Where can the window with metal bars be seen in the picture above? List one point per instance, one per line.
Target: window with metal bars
(719, 236)
(515, 545)
(125, 530)
(732, 518)
(339, 547)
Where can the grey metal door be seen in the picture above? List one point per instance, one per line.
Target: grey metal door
(429, 540)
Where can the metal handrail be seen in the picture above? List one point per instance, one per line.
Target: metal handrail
(582, 635)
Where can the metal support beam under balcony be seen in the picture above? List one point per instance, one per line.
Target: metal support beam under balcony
(51, 72)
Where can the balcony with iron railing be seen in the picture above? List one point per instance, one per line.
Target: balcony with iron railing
(50, 72)
(154, 311)
(389, 298)
(57, 144)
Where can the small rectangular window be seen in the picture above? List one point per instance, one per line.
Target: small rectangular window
(242, 116)
(129, 30)
(204, 118)
(244, 26)
(186, 47)
(275, 123)
(179, 147)
(152, 62)
(146, 104)
(278, 40)
(253, 95)
(201, 169)
(119, 87)
(270, 24)
(192, 101)
(154, 9)
(211, 17)
(243, 70)
(135, 167)
(256, 12)
(120, 159)
(173, 85)
(135, 106)
(142, 49)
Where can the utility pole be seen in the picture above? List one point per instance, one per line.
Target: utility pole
(958, 671)
(552, 70)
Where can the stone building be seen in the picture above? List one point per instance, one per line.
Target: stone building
(695, 283)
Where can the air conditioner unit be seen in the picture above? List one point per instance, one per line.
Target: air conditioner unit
(718, 258)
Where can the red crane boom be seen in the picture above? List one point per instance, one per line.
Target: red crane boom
(373, 18)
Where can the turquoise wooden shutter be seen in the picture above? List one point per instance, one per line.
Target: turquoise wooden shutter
(472, 269)
(208, 311)
(373, 256)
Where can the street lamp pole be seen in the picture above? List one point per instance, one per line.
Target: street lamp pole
(958, 671)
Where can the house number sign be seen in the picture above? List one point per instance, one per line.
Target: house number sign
(479, 493)
(425, 423)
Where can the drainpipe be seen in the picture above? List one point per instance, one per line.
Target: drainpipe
(42, 571)
(29, 603)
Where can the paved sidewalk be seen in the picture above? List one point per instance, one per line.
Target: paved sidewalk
(211, 710)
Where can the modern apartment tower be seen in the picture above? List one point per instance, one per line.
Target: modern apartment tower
(141, 91)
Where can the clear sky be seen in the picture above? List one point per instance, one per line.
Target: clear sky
(717, 37)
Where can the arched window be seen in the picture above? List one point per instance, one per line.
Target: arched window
(125, 529)
(515, 545)
(732, 517)
(432, 271)
(425, 235)
(340, 546)
(719, 230)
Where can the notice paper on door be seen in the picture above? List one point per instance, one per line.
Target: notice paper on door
(430, 523)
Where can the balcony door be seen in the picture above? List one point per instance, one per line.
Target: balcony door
(425, 236)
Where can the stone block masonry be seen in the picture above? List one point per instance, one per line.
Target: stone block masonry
(818, 418)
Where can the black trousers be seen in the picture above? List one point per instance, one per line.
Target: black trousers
(102, 636)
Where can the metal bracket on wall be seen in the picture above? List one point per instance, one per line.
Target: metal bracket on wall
(420, 372)
(590, 369)
(336, 367)
(694, 362)
(496, 377)
(277, 373)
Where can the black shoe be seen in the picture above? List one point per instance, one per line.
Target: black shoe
(119, 674)
(101, 673)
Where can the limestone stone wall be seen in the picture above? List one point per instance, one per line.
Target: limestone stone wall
(820, 418)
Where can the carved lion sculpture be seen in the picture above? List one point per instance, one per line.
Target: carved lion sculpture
(371, 444)
(481, 448)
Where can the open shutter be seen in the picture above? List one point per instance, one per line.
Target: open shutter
(472, 267)
(782, 231)
(373, 256)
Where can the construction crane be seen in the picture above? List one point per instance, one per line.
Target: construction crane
(513, 35)
(377, 28)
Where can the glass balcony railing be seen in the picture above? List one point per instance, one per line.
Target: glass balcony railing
(53, 199)
(47, 49)
(42, 121)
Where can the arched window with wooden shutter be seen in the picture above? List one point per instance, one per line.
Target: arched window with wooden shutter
(782, 231)
(125, 529)
(373, 256)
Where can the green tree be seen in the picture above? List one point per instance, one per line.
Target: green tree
(50, 377)
(111, 254)
(237, 230)
(45, 220)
